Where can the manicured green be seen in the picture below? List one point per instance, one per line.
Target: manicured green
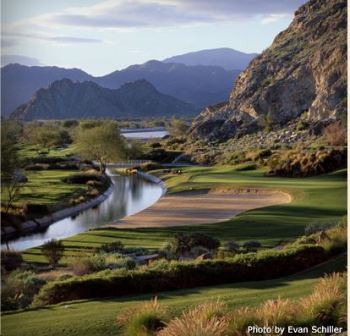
(321, 198)
(47, 187)
(96, 318)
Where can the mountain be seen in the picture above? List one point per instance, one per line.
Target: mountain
(227, 58)
(197, 85)
(65, 99)
(304, 70)
(19, 82)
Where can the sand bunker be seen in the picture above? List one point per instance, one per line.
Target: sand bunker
(201, 207)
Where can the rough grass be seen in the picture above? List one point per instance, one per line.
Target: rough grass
(321, 198)
(96, 318)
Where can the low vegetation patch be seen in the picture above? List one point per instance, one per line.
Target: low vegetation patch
(164, 275)
(325, 306)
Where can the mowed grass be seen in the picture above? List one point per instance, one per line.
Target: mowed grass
(98, 317)
(47, 187)
(321, 198)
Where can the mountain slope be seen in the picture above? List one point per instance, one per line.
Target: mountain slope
(198, 85)
(19, 82)
(66, 99)
(227, 58)
(304, 70)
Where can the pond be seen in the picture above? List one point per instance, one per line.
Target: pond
(130, 194)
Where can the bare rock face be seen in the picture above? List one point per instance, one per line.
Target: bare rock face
(304, 70)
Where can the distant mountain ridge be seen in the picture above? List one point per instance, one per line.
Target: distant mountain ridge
(227, 58)
(199, 85)
(65, 99)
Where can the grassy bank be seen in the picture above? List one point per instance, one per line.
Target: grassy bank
(99, 317)
(321, 198)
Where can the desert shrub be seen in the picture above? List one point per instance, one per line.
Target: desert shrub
(183, 243)
(232, 246)
(318, 226)
(53, 251)
(10, 260)
(207, 319)
(335, 134)
(86, 264)
(70, 123)
(251, 245)
(144, 319)
(303, 162)
(127, 263)
(114, 247)
(164, 275)
(18, 289)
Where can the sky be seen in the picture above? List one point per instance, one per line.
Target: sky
(101, 36)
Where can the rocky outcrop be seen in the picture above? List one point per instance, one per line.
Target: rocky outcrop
(65, 99)
(304, 70)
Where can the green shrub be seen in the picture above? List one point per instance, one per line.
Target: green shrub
(184, 243)
(164, 275)
(53, 250)
(87, 264)
(114, 247)
(251, 245)
(232, 246)
(10, 260)
(18, 289)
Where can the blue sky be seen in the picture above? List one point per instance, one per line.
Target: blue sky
(100, 36)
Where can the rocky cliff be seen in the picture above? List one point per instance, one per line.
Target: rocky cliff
(304, 70)
(66, 99)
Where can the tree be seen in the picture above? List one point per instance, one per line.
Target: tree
(53, 251)
(45, 136)
(178, 127)
(102, 143)
(11, 179)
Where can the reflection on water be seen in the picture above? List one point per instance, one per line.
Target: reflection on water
(130, 195)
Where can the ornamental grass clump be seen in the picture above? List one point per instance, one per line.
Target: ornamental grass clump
(327, 304)
(143, 320)
(209, 319)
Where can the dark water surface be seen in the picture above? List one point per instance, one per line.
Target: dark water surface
(130, 195)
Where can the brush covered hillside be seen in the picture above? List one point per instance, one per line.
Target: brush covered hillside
(66, 99)
(304, 70)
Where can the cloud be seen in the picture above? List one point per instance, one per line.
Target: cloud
(24, 60)
(159, 13)
(273, 18)
(15, 37)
